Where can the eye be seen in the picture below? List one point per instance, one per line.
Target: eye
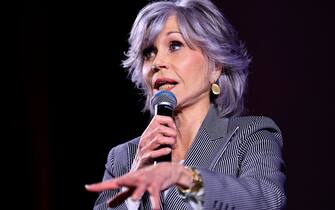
(175, 45)
(149, 53)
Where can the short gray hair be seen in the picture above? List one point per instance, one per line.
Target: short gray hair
(201, 23)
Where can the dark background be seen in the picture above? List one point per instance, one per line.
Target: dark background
(69, 100)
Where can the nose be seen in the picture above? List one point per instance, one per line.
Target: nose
(159, 63)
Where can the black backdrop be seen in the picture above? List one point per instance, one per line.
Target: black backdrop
(70, 101)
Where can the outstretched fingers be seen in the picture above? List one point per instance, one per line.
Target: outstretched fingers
(127, 181)
(153, 179)
(101, 186)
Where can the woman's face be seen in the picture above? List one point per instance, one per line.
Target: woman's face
(179, 69)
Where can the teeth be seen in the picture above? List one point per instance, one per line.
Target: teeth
(166, 87)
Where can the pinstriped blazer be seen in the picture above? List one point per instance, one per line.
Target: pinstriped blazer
(239, 158)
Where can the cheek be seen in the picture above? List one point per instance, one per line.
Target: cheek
(147, 76)
(145, 72)
(203, 79)
(202, 71)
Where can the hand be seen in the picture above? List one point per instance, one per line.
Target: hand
(153, 179)
(160, 131)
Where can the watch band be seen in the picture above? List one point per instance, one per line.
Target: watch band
(197, 185)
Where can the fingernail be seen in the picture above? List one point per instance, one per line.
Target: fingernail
(88, 186)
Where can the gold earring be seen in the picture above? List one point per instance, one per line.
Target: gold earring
(215, 88)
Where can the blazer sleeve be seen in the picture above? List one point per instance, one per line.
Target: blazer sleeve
(112, 170)
(260, 181)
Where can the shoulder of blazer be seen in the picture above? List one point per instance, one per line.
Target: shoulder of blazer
(121, 156)
(249, 125)
(254, 129)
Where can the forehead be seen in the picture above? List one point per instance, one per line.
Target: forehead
(169, 27)
(171, 24)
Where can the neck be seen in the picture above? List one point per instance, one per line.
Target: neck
(188, 122)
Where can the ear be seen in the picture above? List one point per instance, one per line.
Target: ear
(216, 73)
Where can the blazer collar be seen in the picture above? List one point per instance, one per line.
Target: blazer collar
(215, 125)
(210, 139)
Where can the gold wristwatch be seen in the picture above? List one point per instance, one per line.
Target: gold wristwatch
(197, 185)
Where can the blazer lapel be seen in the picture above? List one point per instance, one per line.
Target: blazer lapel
(132, 148)
(209, 140)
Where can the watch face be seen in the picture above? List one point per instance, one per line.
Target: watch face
(196, 191)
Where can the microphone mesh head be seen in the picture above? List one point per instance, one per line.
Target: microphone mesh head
(165, 97)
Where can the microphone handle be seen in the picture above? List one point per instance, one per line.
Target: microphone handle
(165, 110)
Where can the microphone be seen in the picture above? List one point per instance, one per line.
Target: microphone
(163, 103)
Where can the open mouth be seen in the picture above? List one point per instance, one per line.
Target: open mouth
(164, 84)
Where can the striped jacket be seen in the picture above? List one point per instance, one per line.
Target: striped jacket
(239, 158)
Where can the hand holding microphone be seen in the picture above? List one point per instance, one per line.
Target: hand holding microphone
(159, 138)
(164, 103)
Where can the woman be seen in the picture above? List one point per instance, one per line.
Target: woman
(219, 160)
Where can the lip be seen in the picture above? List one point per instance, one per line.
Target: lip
(164, 83)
